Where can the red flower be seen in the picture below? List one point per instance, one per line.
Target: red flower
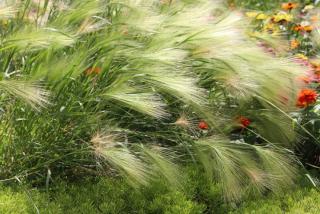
(93, 70)
(203, 125)
(245, 122)
(306, 97)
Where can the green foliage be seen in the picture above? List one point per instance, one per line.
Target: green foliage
(115, 196)
(256, 4)
(299, 201)
(174, 203)
(304, 46)
(265, 5)
(106, 196)
(22, 200)
(122, 84)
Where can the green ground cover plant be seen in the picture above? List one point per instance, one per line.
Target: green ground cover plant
(301, 201)
(116, 196)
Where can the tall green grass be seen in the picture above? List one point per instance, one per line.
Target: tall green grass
(109, 88)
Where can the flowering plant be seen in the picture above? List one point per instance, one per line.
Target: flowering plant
(124, 87)
(297, 24)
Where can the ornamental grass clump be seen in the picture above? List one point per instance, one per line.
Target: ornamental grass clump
(137, 89)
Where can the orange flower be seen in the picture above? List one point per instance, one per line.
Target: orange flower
(294, 44)
(308, 28)
(245, 122)
(314, 18)
(289, 6)
(203, 125)
(93, 70)
(314, 63)
(298, 28)
(306, 97)
(315, 66)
